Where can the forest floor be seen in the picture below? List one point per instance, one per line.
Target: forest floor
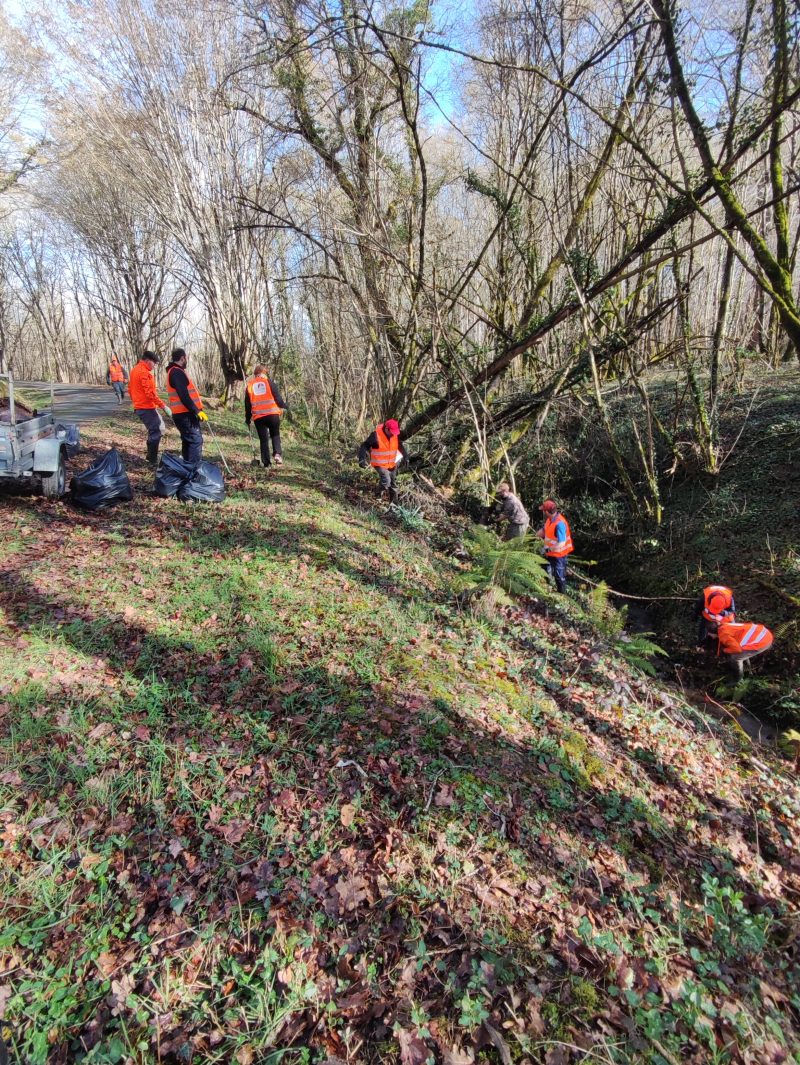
(267, 795)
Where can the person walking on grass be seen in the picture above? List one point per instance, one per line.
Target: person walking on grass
(512, 512)
(557, 543)
(384, 451)
(116, 376)
(186, 406)
(147, 403)
(263, 405)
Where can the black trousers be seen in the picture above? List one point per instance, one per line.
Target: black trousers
(269, 428)
(191, 437)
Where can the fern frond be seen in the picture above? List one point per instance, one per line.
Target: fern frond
(637, 650)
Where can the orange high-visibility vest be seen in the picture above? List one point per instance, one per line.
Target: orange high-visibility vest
(262, 401)
(175, 404)
(557, 550)
(142, 388)
(716, 600)
(736, 637)
(115, 371)
(384, 456)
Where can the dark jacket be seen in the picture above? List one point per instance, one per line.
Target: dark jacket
(248, 407)
(371, 442)
(180, 382)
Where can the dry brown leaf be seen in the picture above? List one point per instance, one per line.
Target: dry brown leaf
(347, 814)
(352, 892)
(413, 1050)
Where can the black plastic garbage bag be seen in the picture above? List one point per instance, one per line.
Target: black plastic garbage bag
(71, 436)
(207, 485)
(172, 473)
(103, 484)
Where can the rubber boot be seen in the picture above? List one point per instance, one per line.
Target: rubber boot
(152, 452)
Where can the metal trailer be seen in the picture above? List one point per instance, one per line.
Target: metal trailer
(35, 450)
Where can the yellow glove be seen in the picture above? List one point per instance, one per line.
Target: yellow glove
(201, 414)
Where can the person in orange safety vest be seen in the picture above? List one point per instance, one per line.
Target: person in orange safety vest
(740, 640)
(716, 604)
(146, 401)
(557, 542)
(263, 405)
(384, 451)
(116, 376)
(186, 406)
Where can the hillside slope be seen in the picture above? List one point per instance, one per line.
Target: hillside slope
(267, 796)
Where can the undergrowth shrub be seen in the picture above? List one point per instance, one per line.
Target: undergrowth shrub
(636, 648)
(500, 570)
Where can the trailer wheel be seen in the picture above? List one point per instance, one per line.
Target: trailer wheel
(54, 484)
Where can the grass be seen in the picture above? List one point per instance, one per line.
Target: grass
(268, 793)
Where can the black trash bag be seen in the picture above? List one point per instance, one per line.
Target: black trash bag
(71, 436)
(207, 485)
(172, 474)
(103, 484)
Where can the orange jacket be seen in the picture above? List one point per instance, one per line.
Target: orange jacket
(115, 371)
(142, 388)
(737, 637)
(262, 401)
(175, 404)
(552, 548)
(718, 603)
(384, 456)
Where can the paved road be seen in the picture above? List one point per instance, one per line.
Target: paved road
(77, 403)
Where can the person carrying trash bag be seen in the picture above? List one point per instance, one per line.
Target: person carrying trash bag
(263, 405)
(384, 451)
(146, 401)
(740, 640)
(186, 406)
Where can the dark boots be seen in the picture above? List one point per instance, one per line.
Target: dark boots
(152, 453)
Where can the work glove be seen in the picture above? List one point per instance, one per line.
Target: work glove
(363, 465)
(201, 414)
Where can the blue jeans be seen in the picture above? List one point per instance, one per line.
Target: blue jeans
(557, 568)
(191, 437)
(119, 388)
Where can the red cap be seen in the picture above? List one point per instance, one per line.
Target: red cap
(548, 506)
(392, 427)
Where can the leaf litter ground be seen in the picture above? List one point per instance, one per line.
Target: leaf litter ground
(267, 796)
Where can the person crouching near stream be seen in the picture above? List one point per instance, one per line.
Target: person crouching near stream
(740, 640)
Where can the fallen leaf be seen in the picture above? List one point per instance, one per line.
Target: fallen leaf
(5, 995)
(347, 814)
(101, 730)
(352, 891)
(457, 1056)
(413, 1050)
